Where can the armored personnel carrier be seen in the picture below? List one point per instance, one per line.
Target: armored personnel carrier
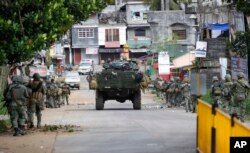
(120, 81)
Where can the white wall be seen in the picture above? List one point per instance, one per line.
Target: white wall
(122, 33)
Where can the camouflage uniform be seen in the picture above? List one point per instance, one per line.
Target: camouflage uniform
(240, 90)
(58, 97)
(216, 91)
(165, 87)
(18, 94)
(36, 103)
(171, 92)
(65, 93)
(177, 92)
(51, 94)
(186, 92)
(227, 93)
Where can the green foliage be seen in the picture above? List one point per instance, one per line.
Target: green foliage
(207, 98)
(4, 125)
(243, 6)
(27, 26)
(240, 44)
(161, 43)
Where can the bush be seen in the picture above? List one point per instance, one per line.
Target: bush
(3, 110)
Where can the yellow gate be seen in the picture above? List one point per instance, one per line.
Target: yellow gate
(214, 129)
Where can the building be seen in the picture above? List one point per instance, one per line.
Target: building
(111, 33)
(85, 40)
(138, 29)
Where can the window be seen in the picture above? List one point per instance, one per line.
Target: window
(112, 35)
(85, 33)
(181, 34)
(140, 32)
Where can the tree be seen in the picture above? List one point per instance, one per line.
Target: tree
(28, 26)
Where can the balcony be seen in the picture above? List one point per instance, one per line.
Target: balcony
(112, 44)
(139, 43)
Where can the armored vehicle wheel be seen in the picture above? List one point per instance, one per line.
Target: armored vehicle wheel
(137, 100)
(99, 104)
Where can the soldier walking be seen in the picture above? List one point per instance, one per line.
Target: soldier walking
(186, 92)
(18, 94)
(65, 93)
(241, 90)
(51, 94)
(216, 91)
(227, 93)
(36, 103)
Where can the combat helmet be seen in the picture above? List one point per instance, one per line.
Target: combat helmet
(17, 79)
(215, 78)
(228, 77)
(36, 77)
(240, 75)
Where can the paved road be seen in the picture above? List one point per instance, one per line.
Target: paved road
(120, 129)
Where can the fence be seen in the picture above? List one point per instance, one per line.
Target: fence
(214, 129)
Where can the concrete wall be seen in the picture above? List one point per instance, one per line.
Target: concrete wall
(131, 32)
(163, 22)
(139, 7)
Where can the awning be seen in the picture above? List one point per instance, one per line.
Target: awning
(142, 50)
(219, 26)
(184, 60)
(110, 50)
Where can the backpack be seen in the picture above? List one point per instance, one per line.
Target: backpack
(216, 90)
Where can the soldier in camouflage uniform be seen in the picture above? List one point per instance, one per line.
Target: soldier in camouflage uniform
(216, 91)
(65, 93)
(227, 93)
(171, 92)
(186, 92)
(51, 94)
(157, 86)
(18, 94)
(58, 95)
(177, 92)
(36, 102)
(165, 87)
(241, 90)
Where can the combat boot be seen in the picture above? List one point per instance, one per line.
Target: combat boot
(31, 125)
(16, 132)
(39, 118)
(22, 130)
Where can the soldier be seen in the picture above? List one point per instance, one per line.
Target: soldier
(36, 103)
(165, 87)
(58, 95)
(240, 90)
(227, 93)
(18, 94)
(177, 92)
(186, 92)
(51, 94)
(65, 93)
(216, 91)
(171, 94)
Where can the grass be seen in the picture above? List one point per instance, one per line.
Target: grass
(4, 124)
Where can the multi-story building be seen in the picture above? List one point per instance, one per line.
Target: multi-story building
(111, 33)
(85, 40)
(138, 29)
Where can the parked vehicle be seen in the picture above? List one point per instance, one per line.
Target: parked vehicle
(72, 79)
(86, 66)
